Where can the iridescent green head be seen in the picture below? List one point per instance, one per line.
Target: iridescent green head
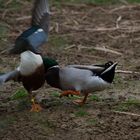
(49, 62)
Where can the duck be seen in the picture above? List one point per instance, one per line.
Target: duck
(31, 72)
(81, 79)
(37, 34)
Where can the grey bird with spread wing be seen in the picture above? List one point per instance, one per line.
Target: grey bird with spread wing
(37, 34)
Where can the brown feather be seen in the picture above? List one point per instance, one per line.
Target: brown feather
(34, 81)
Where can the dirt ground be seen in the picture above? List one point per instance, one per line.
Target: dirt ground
(79, 34)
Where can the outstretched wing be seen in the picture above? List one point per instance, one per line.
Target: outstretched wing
(35, 36)
(13, 75)
(95, 68)
(41, 14)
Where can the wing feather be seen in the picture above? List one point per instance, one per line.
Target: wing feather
(41, 14)
(92, 68)
(13, 75)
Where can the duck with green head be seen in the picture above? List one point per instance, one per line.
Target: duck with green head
(31, 72)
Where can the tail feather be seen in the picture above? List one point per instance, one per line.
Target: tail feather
(109, 73)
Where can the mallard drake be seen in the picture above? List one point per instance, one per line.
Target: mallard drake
(31, 72)
(80, 79)
(37, 33)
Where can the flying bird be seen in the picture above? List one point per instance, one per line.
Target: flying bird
(31, 72)
(37, 34)
(81, 79)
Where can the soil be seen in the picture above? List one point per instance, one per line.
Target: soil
(78, 30)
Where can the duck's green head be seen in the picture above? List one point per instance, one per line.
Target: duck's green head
(49, 62)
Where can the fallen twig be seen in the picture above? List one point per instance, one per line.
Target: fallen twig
(57, 28)
(23, 18)
(12, 34)
(117, 37)
(107, 50)
(123, 1)
(94, 48)
(129, 29)
(74, 5)
(117, 21)
(127, 72)
(127, 113)
(8, 2)
(71, 46)
(123, 7)
(4, 13)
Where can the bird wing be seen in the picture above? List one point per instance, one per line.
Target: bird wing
(34, 37)
(41, 14)
(93, 68)
(13, 75)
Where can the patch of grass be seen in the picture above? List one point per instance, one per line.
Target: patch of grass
(134, 102)
(97, 2)
(19, 94)
(95, 98)
(74, 97)
(43, 122)
(133, 1)
(22, 96)
(118, 81)
(14, 5)
(121, 107)
(57, 42)
(81, 113)
(47, 124)
(55, 94)
(3, 31)
(127, 104)
(24, 104)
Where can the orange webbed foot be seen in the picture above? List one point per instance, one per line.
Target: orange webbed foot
(69, 92)
(35, 107)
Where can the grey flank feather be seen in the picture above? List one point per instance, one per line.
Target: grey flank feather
(88, 67)
(41, 14)
(13, 75)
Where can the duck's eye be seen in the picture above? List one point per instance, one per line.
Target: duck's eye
(106, 64)
(110, 63)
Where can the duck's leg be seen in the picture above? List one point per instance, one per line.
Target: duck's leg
(69, 92)
(81, 102)
(35, 107)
